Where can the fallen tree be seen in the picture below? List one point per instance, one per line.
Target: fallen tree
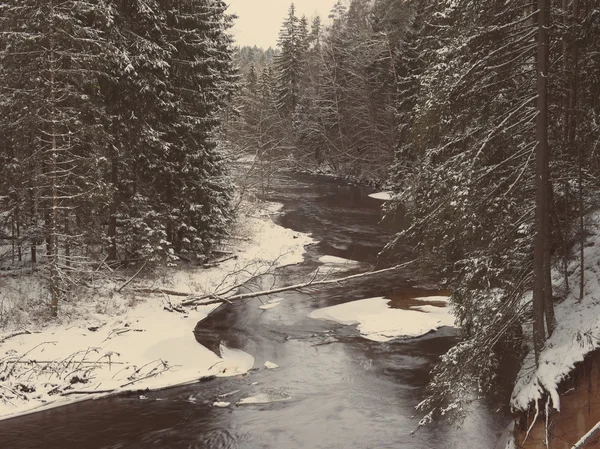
(216, 298)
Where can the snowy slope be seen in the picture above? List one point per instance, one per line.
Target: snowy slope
(577, 332)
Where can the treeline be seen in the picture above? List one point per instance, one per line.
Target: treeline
(484, 118)
(327, 98)
(110, 113)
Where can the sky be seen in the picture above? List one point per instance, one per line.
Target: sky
(259, 21)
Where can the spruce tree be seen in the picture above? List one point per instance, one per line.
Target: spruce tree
(195, 187)
(292, 43)
(53, 58)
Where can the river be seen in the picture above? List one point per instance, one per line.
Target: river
(341, 390)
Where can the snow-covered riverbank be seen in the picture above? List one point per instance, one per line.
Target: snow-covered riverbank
(112, 342)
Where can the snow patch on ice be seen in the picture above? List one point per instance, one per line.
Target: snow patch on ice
(269, 306)
(221, 404)
(377, 321)
(577, 332)
(263, 398)
(333, 260)
(385, 196)
(235, 361)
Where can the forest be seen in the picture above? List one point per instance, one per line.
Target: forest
(481, 117)
(119, 119)
(109, 143)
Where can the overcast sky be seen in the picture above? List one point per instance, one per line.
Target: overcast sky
(259, 21)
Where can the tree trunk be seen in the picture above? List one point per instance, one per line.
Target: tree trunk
(112, 220)
(548, 297)
(33, 221)
(541, 182)
(573, 141)
(53, 256)
(18, 226)
(67, 242)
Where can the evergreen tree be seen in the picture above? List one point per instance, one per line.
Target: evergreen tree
(193, 179)
(141, 109)
(292, 43)
(53, 58)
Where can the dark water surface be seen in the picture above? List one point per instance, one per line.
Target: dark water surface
(341, 390)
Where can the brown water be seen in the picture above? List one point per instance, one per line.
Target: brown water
(343, 391)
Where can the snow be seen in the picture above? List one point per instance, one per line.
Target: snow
(377, 321)
(271, 365)
(384, 196)
(263, 398)
(577, 332)
(333, 260)
(221, 404)
(268, 306)
(112, 342)
(510, 444)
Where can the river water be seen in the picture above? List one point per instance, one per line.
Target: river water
(340, 390)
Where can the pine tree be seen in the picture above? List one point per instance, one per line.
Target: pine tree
(141, 108)
(193, 174)
(288, 64)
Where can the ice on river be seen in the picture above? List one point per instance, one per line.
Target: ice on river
(235, 361)
(268, 306)
(384, 196)
(377, 321)
(333, 260)
(221, 404)
(264, 398)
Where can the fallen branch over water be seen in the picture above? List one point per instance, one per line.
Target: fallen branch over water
(587, 437)
(214, 299)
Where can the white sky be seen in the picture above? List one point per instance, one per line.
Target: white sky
(259, 21)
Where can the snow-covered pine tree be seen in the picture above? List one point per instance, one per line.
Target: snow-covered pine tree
(195, 187)
(53, 56)
(141, 109)
(471, 192)
(288, 65)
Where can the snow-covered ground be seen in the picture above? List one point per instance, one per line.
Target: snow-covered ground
(116, 342)
(577, 332)
(377, 321)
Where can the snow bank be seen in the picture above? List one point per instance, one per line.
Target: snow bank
(377, 321)
(384, 196)
(128, 342)
(577, 332)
